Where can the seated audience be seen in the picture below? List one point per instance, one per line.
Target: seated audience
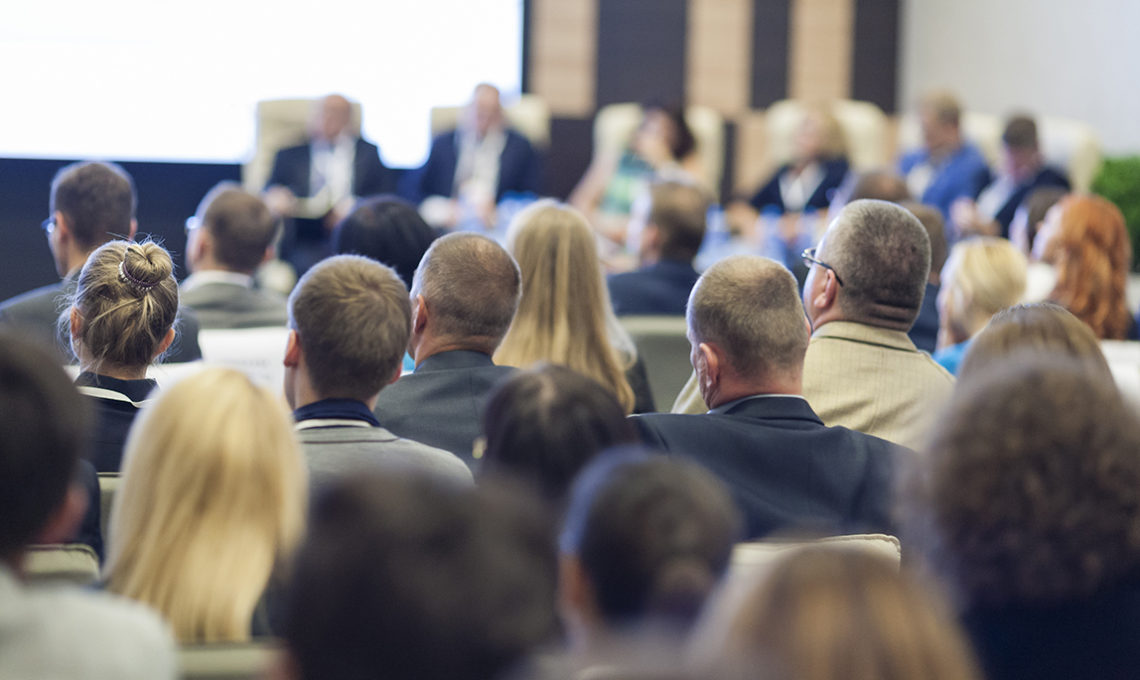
(388, 230)
(543, 425)
(57, 632)
(1027, 507)
(1023, 170)
(1085, 240)
(231, 236)
(212, 500)
(412, 579)
(314, 185)
(947, 167)
(121, 319)
(91, 204)
(464, 295)
(809, 181)
(645, 541)
(565, 315)
(924, 332)
(350, 320)
(470, 169)
(982, 276)
(1023, 230)
(786, 469)
(834, 614)
(667, 244)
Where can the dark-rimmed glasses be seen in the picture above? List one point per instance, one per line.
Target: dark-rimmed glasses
(809, 259)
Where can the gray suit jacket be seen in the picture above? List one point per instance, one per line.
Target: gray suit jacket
(441, 403)
(332, 452)
(228, 305)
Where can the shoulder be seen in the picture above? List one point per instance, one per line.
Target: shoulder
(39, 299)
(1051, 176)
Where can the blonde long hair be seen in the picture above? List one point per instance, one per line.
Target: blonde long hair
(564, 315)
(213, 497)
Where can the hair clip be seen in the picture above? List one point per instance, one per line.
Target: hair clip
(126, 277)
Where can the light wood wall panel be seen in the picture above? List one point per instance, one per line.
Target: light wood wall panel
(719, 54)
(822, 33)
(563, 54)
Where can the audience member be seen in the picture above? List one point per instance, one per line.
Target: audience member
(231, 235)
(1027, 221)
(667, 244)
(91, 204)
(212, 501)
(924, 332)
(412, 579)
(982, 276)
(121, 319)
(819, 165)
(464, 295)
(470, 168)
(786, 469)
(879, 184)
(350, 320)
(57, 632)
(388, 230)
(1023, 170)
(645, 541)
(315, 184)
(834, 614)
(1085, 240)
(544, 424)
(1027, 506)
(946, 168)
(565, 315)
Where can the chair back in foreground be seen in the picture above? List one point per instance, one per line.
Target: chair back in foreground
(226, 661)
(67, 563)
(108, 485)
(663, 346)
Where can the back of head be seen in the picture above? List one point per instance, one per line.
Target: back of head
(545, 424)
(1020, 133)
(565, 308)
(1091, 251)
(832, 614)
(388, 230)
(98, 200)
(931, 220)
(750, 308)
(1029, 491)
(653, 535)
(409, 579)
(213, 496)
(43, 424)
(241, 226)
(1044, 328)
(882, 253)
(680, 135)
(679, 211)
(471, 285)
(127, 300)
(880, 185)
(353, 318)
(982, 277)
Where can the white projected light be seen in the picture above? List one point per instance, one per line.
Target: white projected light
(142, 80)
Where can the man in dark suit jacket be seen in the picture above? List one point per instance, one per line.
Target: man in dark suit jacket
(315, 184)
(478, 162)
(229, 238)
(669, 237)
(90, 204)
(464, 297)
(785, 468)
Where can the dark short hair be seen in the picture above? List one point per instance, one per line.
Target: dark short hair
(241, 225)
(43, 423)
(683, 142)
(544, 424)
(1020, 132)
(353, 320)
(679, 211)
(653, 534)
(407, 578)
(388, 230)
(932, 221)
(98, 200)
(1029, 492)
(880, 185)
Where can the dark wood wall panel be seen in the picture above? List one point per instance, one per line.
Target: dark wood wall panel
(641, 50)
(875, 62)
(771, 21)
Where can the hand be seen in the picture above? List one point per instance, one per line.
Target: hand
(280, 201)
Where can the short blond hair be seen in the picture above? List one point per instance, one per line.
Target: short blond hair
(213, 498)
(981, 277)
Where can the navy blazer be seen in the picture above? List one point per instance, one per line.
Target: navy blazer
(292, 169)
(441, 403)
(785, 468)
(1045, 177)
(661, 288)
(520, 169)
(770, 198)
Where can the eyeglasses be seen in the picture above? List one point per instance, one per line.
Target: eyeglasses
(809, 259)
(48, 225)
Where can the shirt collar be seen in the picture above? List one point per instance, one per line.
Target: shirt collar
(861, 332)
(725, 408)
(135, 390)
(338, 410)
(217, 276)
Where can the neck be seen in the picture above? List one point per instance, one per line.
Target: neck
(76, 260)
(117, 372)
(429, 346)
(880, 316)
(731, 388)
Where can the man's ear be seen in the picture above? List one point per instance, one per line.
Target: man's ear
(420, 313)
(828, 292)
(576, 601)
(293, 350)
(64, 521)
(133, 229)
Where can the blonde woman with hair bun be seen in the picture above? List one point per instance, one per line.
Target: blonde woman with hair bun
(121, 318)
(565, 315)
(212, 501)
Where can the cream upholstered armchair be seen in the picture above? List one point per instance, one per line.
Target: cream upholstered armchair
(529, 114)
(281, 123)
(864, 128)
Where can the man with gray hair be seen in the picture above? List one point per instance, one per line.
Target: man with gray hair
(350, 319)
(863, 292)
(786, 469)
(464, 295)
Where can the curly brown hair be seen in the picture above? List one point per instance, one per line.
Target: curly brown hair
(1030, 490)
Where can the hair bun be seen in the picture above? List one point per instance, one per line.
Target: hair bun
(145, 265)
